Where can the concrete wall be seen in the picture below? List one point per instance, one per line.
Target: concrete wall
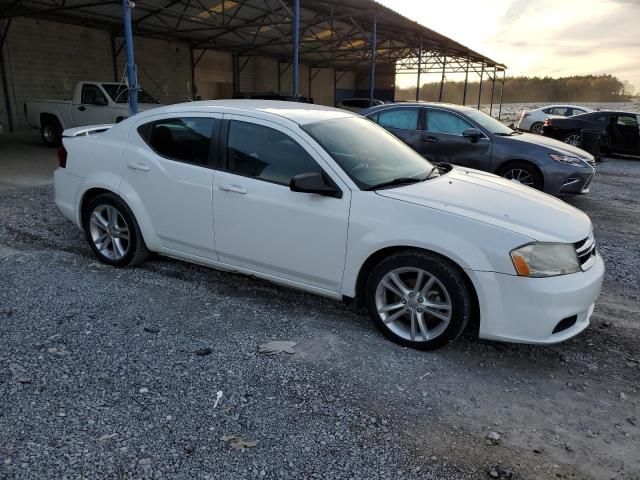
(164, 69)
(46, 59)
(214, 75)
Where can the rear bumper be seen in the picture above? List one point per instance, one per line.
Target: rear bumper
(530, 310)
(67, 194)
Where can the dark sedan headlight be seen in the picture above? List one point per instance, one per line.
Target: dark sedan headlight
(569, 160)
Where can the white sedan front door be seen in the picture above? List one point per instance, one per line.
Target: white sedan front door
(263, 226)
(168, 167)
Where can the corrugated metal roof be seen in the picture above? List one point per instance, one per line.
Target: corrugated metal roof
(332, 33)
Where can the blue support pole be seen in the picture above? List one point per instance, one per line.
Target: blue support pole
(372, 80)
(131, 66)
(296, 45)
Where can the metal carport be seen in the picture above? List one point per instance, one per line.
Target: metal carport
(346, 35)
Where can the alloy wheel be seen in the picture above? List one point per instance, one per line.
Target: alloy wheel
(536, 128)
(573, 139)
(109, 232)
(519, 175)
(413, 304)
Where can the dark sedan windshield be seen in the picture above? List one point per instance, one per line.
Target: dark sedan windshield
(369, 154)
(488, 123)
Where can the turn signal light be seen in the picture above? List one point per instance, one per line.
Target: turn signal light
(522, 267)
(62, 157)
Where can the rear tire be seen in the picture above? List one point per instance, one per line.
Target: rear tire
(112, 232)
(572, 138)
(418, 299)
(536, 128)
(523, 173)
(51, 132)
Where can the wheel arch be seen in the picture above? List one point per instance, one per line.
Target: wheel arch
(503, 166)
(376, 257)
(46, 116)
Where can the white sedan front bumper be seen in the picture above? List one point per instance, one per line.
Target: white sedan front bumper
(530, 310)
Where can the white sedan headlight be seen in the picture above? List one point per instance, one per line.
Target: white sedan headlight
(545, 259)
(569, 160)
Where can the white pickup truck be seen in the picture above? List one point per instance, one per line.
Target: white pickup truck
(93, 103)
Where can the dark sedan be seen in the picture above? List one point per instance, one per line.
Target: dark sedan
(467, 137)
(621, 133)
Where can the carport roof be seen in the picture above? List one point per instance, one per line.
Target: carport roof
(332, 33)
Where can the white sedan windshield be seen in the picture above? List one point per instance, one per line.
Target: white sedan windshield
(367, 152)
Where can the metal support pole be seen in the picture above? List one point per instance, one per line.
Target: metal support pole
(236, 74)
(480, 89)
(335, 87)
(493, 87)
(114, 59)
(501, 92)
(374, 40)
(419, 71)
(131, 66)
(466, 83)
(296, 44)
(3, 78)
(444, 67)
(193, 75)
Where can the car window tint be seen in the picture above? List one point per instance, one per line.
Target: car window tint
(628, 120)
(92, 95)
(561, 111)
(265, 153)
(400, 118)
(182, 139)
(547, 110)
(443, 122)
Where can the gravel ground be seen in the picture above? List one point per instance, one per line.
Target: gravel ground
(100, 375)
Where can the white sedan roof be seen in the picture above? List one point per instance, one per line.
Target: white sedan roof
(300, 113)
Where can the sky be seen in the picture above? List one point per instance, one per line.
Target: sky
(539, 37)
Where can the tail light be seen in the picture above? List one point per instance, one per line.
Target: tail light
(525, 114)
(548, 122)
(62, 157)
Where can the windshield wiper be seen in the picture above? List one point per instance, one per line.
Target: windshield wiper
(397, 181)
(502, 134)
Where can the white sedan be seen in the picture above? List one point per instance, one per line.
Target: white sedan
(326, 201)
(533, 120)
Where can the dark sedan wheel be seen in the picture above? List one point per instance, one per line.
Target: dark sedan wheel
(572, 139)
(418, 300)
(524, 173)
(536, 128)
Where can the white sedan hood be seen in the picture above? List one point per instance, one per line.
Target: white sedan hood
(494, 200)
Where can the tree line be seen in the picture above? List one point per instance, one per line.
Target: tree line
(579, 88)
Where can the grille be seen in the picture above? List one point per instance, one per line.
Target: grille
(586, 251)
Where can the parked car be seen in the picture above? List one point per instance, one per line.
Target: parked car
(279, 96)
(328, 202)
(470, 138)
(620, 130)
(93, 103)
(532, 120)
(358, 105)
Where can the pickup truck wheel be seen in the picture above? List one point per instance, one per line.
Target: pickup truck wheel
(112, 232)
(418, 300)
(51, 132)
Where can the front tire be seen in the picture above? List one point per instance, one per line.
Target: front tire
(112, 232)
(523, 173)
(418, 300)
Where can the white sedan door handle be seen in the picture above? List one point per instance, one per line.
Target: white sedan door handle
(233, 188)
(138, 166)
